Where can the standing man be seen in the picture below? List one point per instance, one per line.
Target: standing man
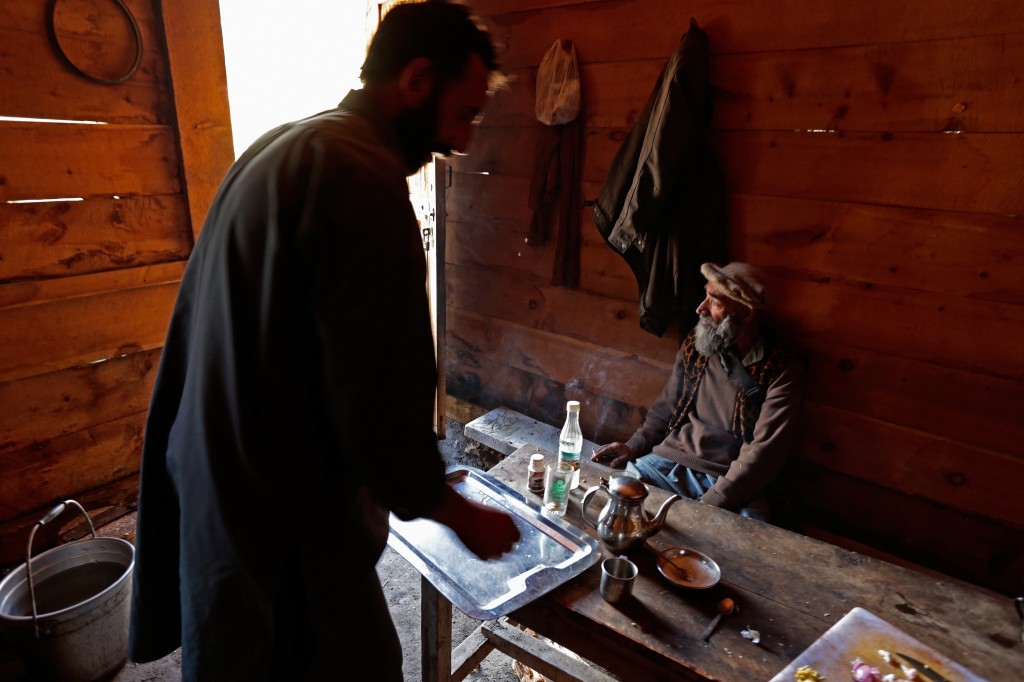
(293, 408)
(729, 415)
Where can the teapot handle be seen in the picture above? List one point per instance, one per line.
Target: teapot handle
(587, 497)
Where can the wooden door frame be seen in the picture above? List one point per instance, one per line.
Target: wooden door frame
(435, 221)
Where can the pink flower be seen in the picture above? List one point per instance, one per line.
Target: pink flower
(862, 672)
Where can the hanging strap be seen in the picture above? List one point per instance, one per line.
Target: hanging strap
(733, 366)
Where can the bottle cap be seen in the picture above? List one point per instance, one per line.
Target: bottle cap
(537, 457)
(573, 406)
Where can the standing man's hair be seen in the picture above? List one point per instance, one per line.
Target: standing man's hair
(444, 33)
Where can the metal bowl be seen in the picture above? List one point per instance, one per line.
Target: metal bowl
(689, 568)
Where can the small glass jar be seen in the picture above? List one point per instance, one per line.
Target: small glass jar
(535, 480)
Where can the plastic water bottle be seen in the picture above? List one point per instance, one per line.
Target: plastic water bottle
(570, 441)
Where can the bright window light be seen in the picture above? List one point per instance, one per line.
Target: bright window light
(288, 60)
(51, 120)
(44, 201)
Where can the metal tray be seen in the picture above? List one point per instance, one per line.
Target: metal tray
(549, 553)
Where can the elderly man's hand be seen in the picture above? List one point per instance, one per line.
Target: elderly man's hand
(614, 455)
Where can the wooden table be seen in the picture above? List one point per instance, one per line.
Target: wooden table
(789, 587)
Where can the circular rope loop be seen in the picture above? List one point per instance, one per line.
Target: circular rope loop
(51, 26)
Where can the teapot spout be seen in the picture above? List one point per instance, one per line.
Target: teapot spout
(658, 521)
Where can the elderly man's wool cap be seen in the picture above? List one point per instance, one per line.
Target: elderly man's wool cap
(741, 282)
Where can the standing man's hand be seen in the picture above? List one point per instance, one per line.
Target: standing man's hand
(614, 455)
(486, 531)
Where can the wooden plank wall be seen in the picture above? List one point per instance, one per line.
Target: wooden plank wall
(872, 153)
(101, 190)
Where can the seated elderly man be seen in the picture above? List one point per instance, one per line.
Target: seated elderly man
(728, 416)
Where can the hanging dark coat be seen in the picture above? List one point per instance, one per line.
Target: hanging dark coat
(662, 206)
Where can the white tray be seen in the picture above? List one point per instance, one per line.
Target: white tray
(860, 634)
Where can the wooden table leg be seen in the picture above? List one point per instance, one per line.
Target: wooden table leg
(436, 634)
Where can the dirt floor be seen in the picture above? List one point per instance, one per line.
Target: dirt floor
(401, 584)
(402, 587)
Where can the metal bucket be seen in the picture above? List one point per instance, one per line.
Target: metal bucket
(68, 608)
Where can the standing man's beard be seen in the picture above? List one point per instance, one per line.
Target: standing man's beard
(416, 130)
(712, 338)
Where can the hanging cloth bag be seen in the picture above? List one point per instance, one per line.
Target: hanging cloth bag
(558, 85)
(554, 186)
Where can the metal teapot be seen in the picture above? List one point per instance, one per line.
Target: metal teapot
(623, 524)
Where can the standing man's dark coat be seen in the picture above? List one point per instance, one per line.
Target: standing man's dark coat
(291, 409)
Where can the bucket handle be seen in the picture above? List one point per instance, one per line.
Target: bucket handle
(50, 516)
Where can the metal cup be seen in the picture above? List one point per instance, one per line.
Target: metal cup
(617, 577)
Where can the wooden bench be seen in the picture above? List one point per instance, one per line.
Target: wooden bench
(505, 430)
(540, 655)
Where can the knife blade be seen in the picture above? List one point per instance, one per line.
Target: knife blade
(920, 667)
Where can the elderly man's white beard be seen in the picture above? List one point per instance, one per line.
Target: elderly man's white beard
(712, 338)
